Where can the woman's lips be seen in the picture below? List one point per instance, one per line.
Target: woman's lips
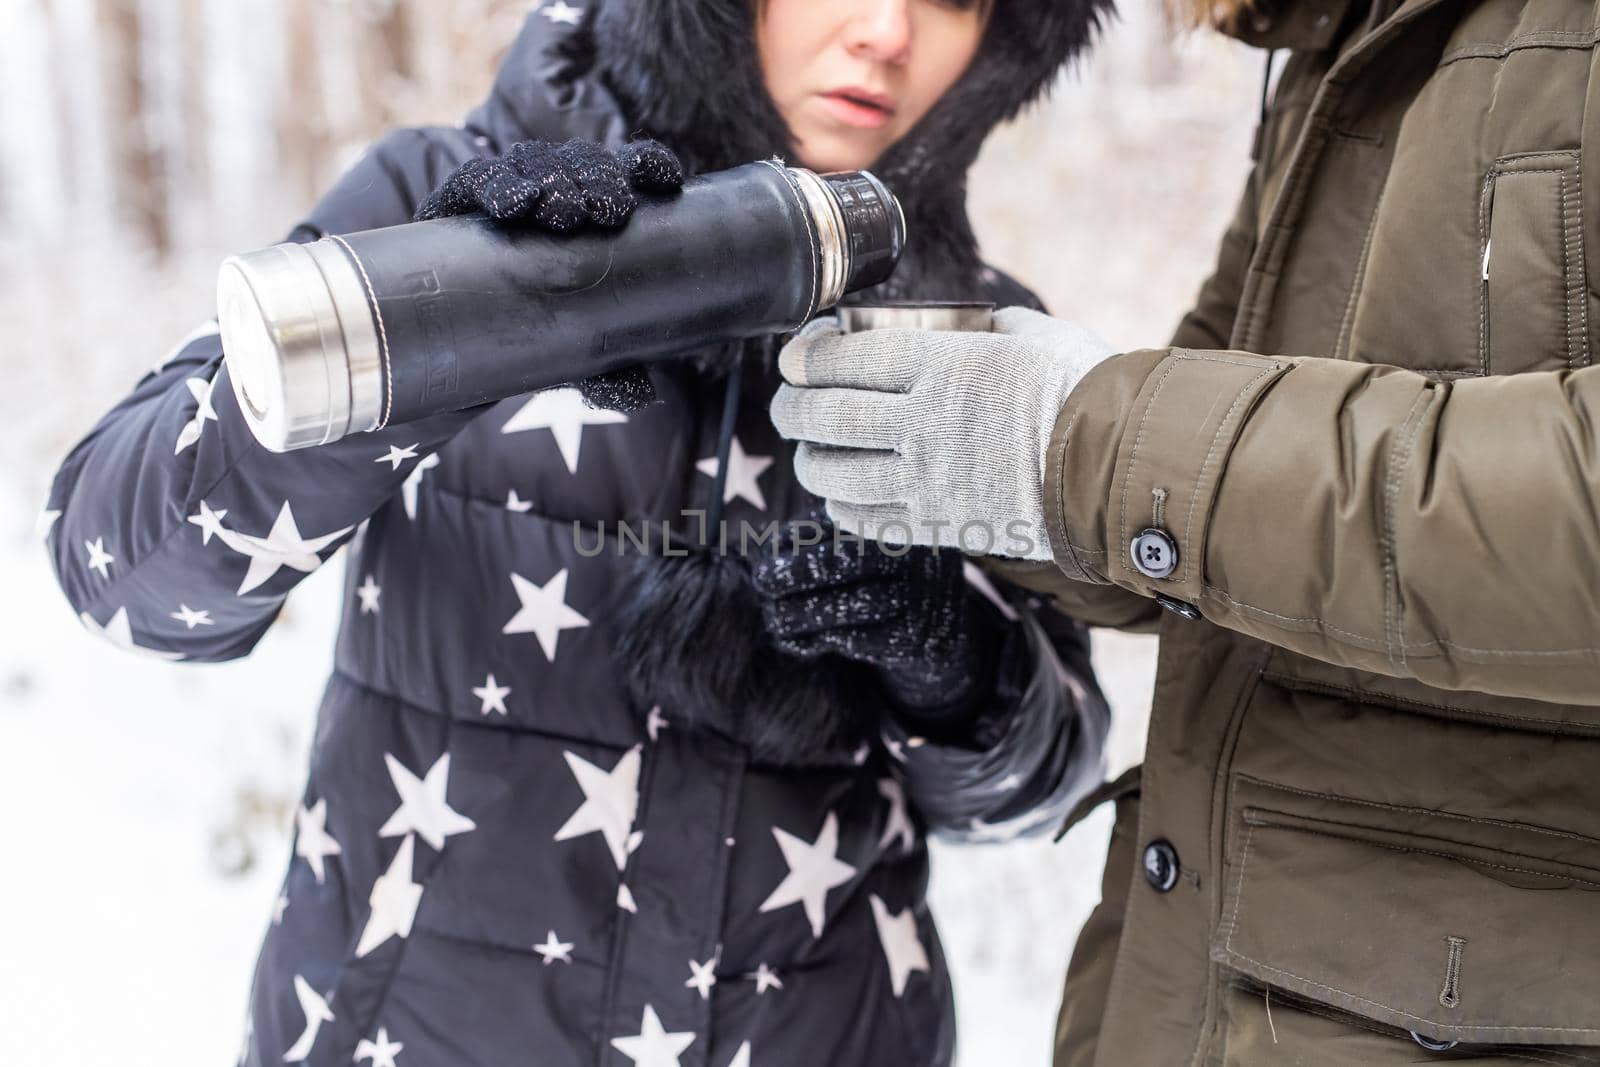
(861, 108)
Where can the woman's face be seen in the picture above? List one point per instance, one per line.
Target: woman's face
(851, 77)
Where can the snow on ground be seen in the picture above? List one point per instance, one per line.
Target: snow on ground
(149, 806)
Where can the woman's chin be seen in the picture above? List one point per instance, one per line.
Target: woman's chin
(825, 153)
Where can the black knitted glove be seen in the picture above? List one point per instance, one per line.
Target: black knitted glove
(560, 188)
(906, 614)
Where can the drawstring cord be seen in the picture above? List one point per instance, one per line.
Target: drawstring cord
(719, 484)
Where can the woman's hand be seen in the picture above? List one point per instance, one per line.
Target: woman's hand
(904, 612)
(560, 188)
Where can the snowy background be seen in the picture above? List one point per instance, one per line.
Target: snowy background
(148, 807)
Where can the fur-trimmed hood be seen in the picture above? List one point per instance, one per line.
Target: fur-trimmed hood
(641, 67)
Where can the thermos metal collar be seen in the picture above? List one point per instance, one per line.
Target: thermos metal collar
(303, 354)
(833, 246)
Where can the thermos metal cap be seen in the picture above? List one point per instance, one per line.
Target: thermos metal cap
(301, 345)
(875, 225)
(860, 229)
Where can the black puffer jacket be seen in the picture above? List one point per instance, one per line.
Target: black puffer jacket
(503, 854)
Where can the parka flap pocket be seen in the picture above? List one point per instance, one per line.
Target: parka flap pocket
(1535, 301)
(1464, 930)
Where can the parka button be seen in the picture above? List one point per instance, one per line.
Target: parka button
(1154, 553)
(1432, 1044)
(1161, 866)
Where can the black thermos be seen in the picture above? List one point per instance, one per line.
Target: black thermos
(360, 331)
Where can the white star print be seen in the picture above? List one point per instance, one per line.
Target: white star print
(517, 504)
(313, 842)
(315, 1008)
(544, 612)
(408, 488)
(702, 976)
(610, 802)
(813, 871)
(653, 1047)
(561, 411)
(765, 978)
(422, 804)
(282, 547)
(897, 749)
(554, 949)
(742, 1057)
(902, 947)
(899, 821)
(46, 522)
(200, 389)
(381, 1052)
(397, 456)
(625, 899)
(210, 522)
(561, 11)
(492, 695)
(279, 906)
(655, 723)
(1008, 783)
(369, 592)
(744, 475)
(191, 619)
(100, 560)
(119, 631)
(394, 901)
(861, 755)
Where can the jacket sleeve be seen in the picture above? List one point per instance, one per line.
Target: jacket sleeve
(1367, 516)
(173, 531)
(1207, 325)
(1031, 751)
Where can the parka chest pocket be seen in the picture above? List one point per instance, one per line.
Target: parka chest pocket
(1533, 312)
(1407, 928)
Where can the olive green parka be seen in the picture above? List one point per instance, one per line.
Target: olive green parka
(1368, 824)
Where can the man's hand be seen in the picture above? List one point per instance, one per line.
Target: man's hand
(934, 437)
(560, 188)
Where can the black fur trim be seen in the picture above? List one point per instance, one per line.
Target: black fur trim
(692, 641)
(653, 56)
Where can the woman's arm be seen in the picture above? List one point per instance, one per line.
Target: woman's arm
(176, 531)
(1028, 750)
(991, 712)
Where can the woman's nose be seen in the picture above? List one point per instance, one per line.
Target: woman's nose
(880, 30)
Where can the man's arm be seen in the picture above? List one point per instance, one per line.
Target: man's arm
(1363, 515)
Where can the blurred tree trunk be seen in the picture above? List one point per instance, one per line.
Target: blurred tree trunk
(302, 125)
(195, 57)
(140, 185)
(175, 121)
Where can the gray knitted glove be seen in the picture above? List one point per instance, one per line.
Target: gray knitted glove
(930, 437)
